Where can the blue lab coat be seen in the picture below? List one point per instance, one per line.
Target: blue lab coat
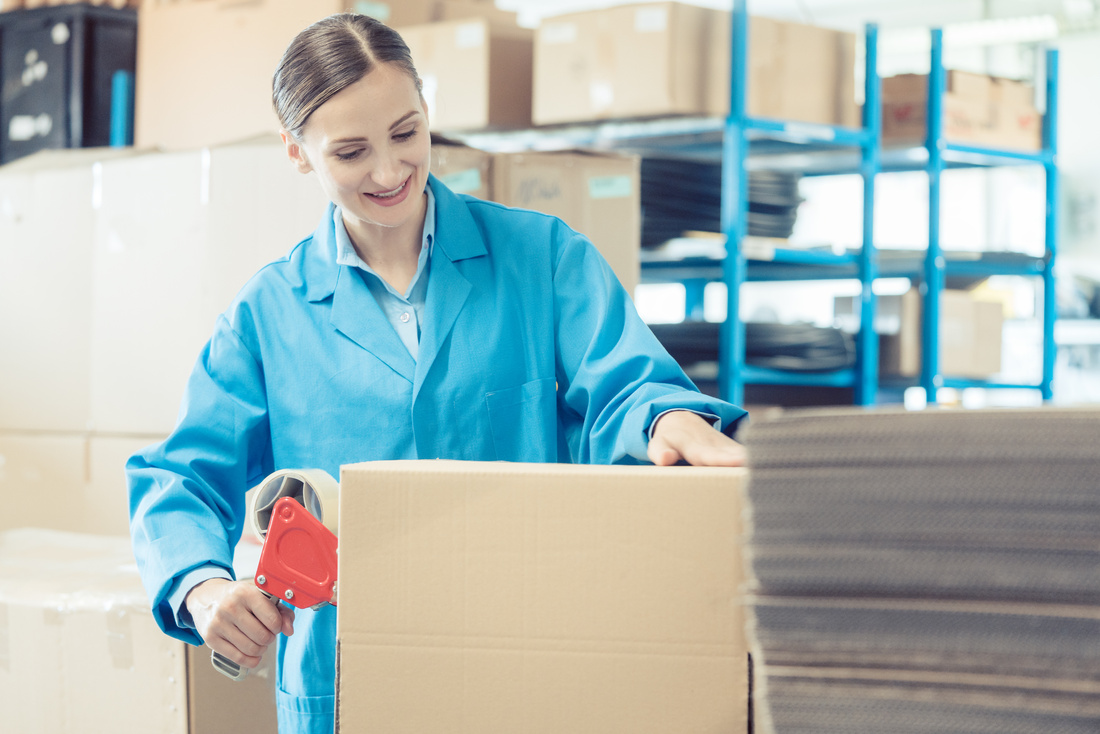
(530, 351)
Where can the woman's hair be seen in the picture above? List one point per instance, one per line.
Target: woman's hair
(329, 56)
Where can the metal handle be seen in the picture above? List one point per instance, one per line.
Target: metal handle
(227, 667)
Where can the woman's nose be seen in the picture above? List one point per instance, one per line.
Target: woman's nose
(388, 171)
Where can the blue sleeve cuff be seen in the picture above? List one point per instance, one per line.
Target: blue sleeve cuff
(714, 420)
(185, 583)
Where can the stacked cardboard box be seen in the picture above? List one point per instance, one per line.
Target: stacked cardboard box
(970, 333)
(926, 572)
(478, 597)
(204, 68)
(597, 194)
(81, 652)
(670, 58)
(122, 304)
(977, 109)
(476, 73)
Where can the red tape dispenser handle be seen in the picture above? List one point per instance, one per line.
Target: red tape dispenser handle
(298, 560)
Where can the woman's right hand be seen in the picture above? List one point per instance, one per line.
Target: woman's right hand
(236, 619)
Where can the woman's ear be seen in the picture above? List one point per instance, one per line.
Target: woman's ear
(295, 152)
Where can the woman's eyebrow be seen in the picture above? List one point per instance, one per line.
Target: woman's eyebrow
(361, 139)
(404, 117)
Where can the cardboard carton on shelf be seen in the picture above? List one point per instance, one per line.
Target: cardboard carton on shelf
(493, 596)
(637, 60)
(476, 73)
(797, 72)
(82, 649)
(204, 68)
(970, 333)
(462, 169)
(597, 194)
(977, 109)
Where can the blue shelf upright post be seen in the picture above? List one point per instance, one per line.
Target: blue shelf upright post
(866, 389)
(1050, 166)
(734, 211)
(931, 379)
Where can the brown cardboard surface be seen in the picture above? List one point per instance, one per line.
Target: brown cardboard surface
(98, 324)
(540, 598)
(80, 652)
(977, 109)
(476, 73)
(796, 72)
(463, 169)
(208, 220)
(68, 482)
(204, 68)
(626, 61)
(970, 336)
(595, 194)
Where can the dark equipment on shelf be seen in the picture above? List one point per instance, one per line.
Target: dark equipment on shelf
(796, 347)
(685, 195)
(57, 66)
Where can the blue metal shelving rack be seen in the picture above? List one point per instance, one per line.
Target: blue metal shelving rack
(743, 132)
(823, 150)
(942, 154)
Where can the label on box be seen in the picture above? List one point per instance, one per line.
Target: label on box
(558, 33)
(462, 182)
(470, 35)
(650, 20)
(609, 187)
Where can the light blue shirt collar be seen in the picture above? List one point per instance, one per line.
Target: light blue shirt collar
(404, 311)
(346, 254)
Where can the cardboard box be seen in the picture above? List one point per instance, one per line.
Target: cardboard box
(105, 326)
(796, 72)
(628, 61)
(204, 67)
(672, 58)
(977, 109)
(82, 652)
(204, 221)
(68, 482)
(478, 597)
(476, 73)
(597, 194)
(45, 290)
(970, 333)
(462, 169)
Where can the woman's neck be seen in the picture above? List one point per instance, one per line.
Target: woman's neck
(392, 252)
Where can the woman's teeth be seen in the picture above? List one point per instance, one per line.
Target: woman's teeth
(391, 194)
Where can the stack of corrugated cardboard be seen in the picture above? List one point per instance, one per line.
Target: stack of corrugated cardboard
(927, 572)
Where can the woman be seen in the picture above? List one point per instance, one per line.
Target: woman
(413, 323)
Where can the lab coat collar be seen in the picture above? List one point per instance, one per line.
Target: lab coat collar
(357, 315)
(459, 239)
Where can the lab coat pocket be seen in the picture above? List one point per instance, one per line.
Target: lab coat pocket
(305, 714)
(523, 421)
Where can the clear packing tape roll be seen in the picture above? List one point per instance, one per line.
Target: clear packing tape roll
(314, 489)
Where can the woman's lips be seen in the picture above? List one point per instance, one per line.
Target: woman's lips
(392, 197)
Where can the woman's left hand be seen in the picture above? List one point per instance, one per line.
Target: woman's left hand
(683, 435)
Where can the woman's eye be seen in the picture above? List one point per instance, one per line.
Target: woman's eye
(349, 156)
(402, 137)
